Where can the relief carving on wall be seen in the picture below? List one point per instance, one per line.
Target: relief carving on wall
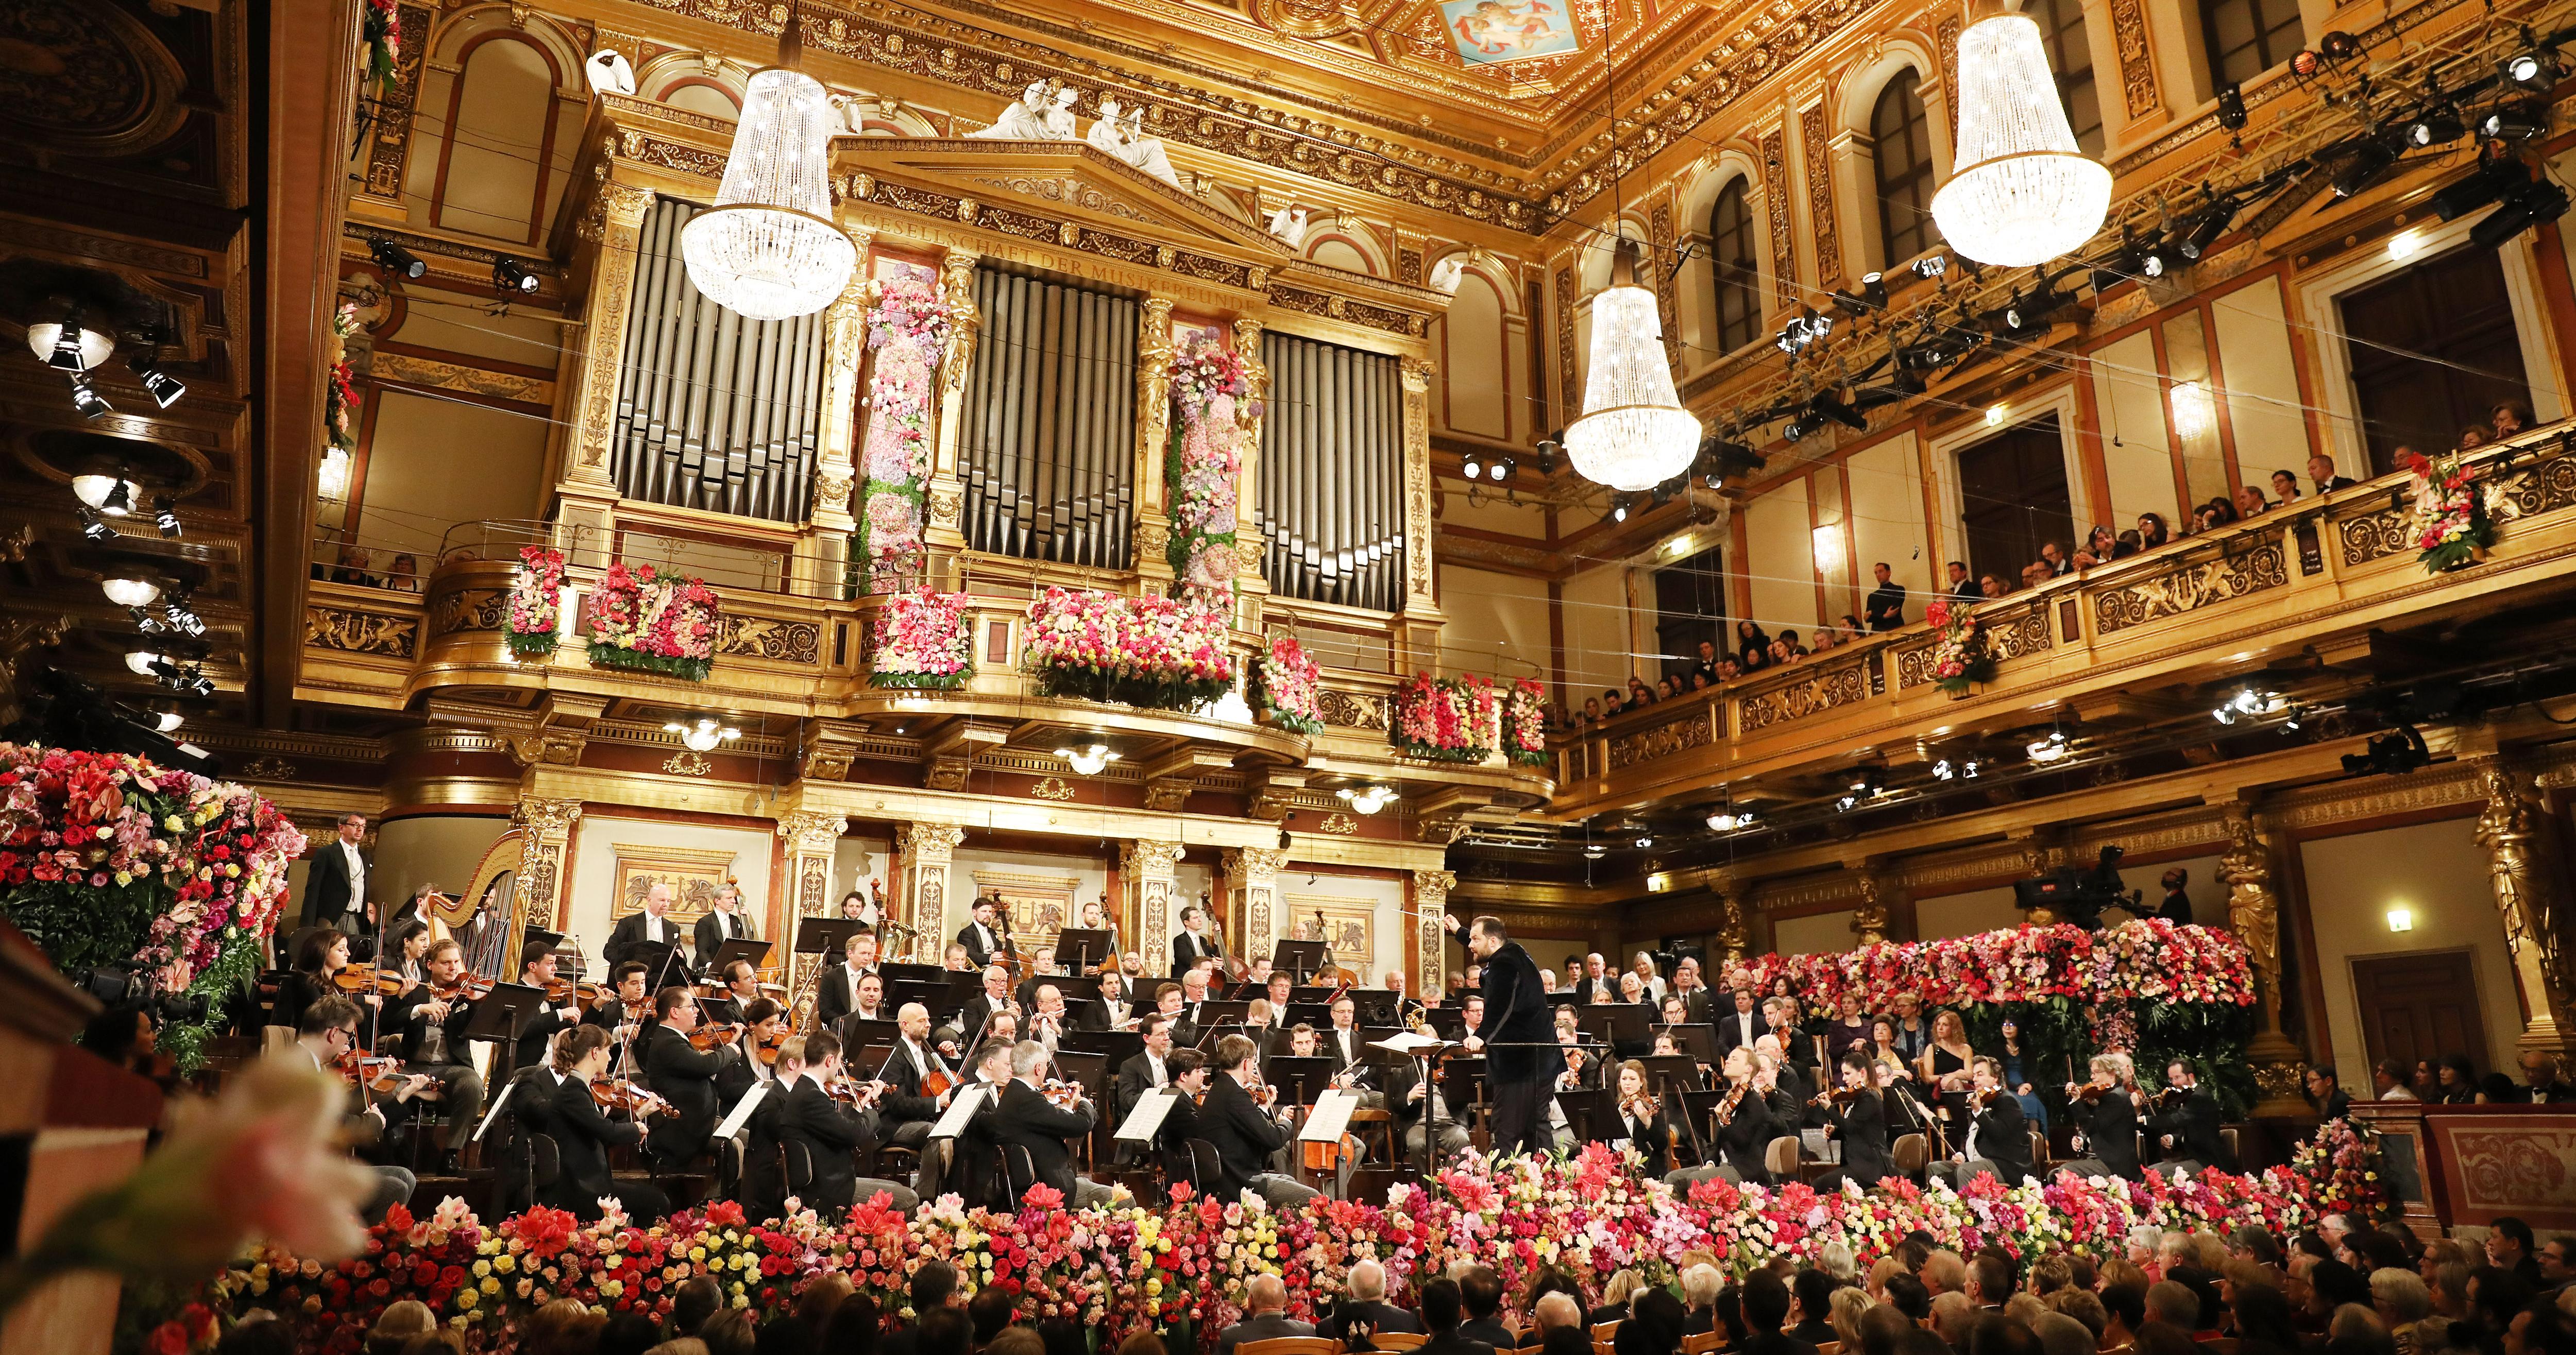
(1814, 691)
(1814, 147)
(1662, 740)
(355, 632)
(1775, 204)
(2190, 587)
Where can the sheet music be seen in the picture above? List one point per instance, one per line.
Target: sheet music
(493, 1112)
(1146, 1120)
(1330, 1117)
(961, 1108)
(1408, 1043)
(742, 1109)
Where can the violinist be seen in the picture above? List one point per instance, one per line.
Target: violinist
(1641, 1119)
(832, 1128)
(1944, 1067)
(1778, 1083)
(837, 992)
(680, 1074)
(1031, 1122)
(537, 970)
(1579, 1074)
(319, 957)
(327, 1032)
(583, 1135)
(1348, 1048)
(2185, 1124)
(917, 1082)
(741, 989)
(1116, 1012)
(1418, 1102)
(1260, 1025)
(764, 1025)
(1150, 1069)
(1189, 1078)
(1857, 1116)
(1244, 1133)
(2105, 1111)
(1997, 1137)
(407, 947)
(432, 1018)
(978, 1156)
(628, 1011)
(1168, 999)
(1745, 1123)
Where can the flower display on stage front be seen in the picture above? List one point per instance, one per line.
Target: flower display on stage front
(1128, 1269)
(106, 858)
(1447, 719)
(2456, 512)
(1960, 655)
(908, 331)
(647, 622)
(536, 601)
(922, 642)
(1212, 397)
(1525, 723)
(1290, 686)
(1161, 653)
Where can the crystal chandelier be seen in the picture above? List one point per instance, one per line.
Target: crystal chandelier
(1634, 433)
(2026, 194)
(768, 249)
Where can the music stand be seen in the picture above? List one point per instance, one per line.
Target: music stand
(1665, 1070)
(1082, 949)
(1312, 1013)
(1299, 1080)
(500, 1015)
(858, 1032)
(737, 948)
(1298, 957)
(822, 935)
(1213, 1012)
(1697, 1039)
(931, 996)
(1451, 1022)
(1406, 1047)
(534, 936)
(1615, 1024)
(1376, 1008)
(1589, 1113)
(1113, 1046)
(898, 972)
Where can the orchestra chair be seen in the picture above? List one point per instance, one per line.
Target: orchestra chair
(545, 1164)
(1206, 1170)
(1605, 1333)
(1703, 1343)
(2235, 1153)
(887, 1159)
(1781, 1158)
(1398, 1340)
(1019, 1173)
(728, 1170)
(1290, 1345)
(2039, 1155)
(800, 1168)
(1828, 1347)
(1910, 1152)
(1601, 1347)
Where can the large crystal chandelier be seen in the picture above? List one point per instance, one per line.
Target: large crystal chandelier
(768, 248)
(1634, 433)
(2025, 193)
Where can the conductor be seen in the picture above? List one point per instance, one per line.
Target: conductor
(1517, 1038)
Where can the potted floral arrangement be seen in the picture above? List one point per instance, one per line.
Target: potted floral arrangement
(644, 622)
(340, 397)
(1447, 719)
(1960, 658)
(1211, 395)
(922, 643)
(907, 331)
(106, 858)
(536, 601)
(1288, 687)
(2456, 510)
(1160, 653)
(1525, 723)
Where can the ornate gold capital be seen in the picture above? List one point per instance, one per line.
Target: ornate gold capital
(930, 844)
(539, 817)
(812, 831)
(1255, 865)
(1431, 888)
(1145, 856)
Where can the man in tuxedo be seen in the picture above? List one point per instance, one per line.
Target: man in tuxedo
(2189, 1132)
(1440, 1312)
(1027, 1120)
(2541, 1084)
(1695, 995)
(537, 969)
(1170, 1002)
(626, 1012)
(1741, 1026)
(1885, 606)
(1998, 1139)
(1243, 1134)
(978, 1011)
(1348, 1049)
(1364, 1304)
(1524, 1058)
(830, 1130)
(1964, 584)
(737, 989)
(871, 1007)
(976, 1158)
(335, 890)
(1150, 1068)
(1194, 998)
(1193, 942)
(1265, 1316)
(2321, 470)
(838, 990)
(679, 1074)
(434, 1043)
(724, 922)
(1471, 1023)
(1042, 966)
(983, 937)
(1596, 976)
(652, 938)
(905, 1113)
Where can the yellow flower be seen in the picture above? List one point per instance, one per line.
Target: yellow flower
(482, 1268)
(490, 1285)
(467, 1298)
(505, 1264)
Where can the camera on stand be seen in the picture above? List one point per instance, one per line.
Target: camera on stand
(2078, 894)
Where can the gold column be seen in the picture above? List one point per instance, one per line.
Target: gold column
(928, 849)
(589, 494)
(2514, 830)
(1254, 872)
(811, 836)
(545, 830)
(1431, 903)
(845, 338)
(1249, 586)
(1420, 627)
(945, 533)
(1147, 868)
(1153, 431)
(2254, 913)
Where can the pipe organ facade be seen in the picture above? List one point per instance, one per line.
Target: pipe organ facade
(1048, 439)
(1332, 474)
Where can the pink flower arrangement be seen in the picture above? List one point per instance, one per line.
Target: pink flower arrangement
(645, 622)
(2456, 512)
(1447, 719)
(908, 331)
(1525, 723)
(340, 398)
(1162, 653)
(381, 28)
(105, 857)
(2145, 960)
(536, 601)
(1290, 686)
(1212, 396)
(922, 642)
(1129, 1269)
(1959, 654)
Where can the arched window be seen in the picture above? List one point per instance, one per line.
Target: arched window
(2070, 56)
(1731, 241)
(1903, 137)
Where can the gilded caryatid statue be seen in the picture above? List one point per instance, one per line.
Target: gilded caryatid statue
(1869, 919)
(2528, 898)
(1734, 935)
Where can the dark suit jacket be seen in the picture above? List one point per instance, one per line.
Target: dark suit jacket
(2194, 1125)
(829, 1130)
(903, 1102)
(1028, 1120)
(978, 950)
(2110, 1129)
(1455, 1343)
(326, 883)
(1374, 1314)
(764, 1170)
(2003, 1138)
(1520, 1024)
(1186, 950)
(1730, 1031)
(297, 990)
(1861, 1124)
(583, 1137)
(1651, 1138)
(1243, 1136)
(542, 1027)
(406, 1014)
(703, 939)
(1261, 1328)
(626, 942)
(834, 995)
(1885, 609)
(1486, 1331)
(1743, 1140)
(686, 1078)
(2339, 482)
(1135, 1078)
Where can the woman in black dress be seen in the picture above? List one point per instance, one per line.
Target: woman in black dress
(1641, 1119)
(320, 956)
(583, 1135)
(1945, 1070)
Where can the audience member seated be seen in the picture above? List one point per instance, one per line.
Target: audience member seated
(1266, 1316)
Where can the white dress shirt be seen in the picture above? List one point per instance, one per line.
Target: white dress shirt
(357, 876)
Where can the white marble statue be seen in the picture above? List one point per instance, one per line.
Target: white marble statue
(1142, 151)
(1106, 136)
(1446, 274)
(1289, 224)
(1022, 121)
(1059, 119)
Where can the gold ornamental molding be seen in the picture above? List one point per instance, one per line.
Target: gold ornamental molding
(453, 376)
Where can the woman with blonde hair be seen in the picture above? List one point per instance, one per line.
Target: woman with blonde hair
(1944, 1068)
(1844, 1314)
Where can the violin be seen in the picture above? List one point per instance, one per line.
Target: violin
(1734, 1097)
(706, 1038)
(1987, 1099)
(366, 978)
(583, 995)
(1063, 1095)
(2091, 1093)
(2171, 1098)
(617, 1093)
(1842, 1096)
(859, 1095)
(467, 987)
(381, 1075)
(765, 1046)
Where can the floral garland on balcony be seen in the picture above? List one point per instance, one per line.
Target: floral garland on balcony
(908, 330)
(1525, 723)
(340, 397)
(536, 601)
(1159, 653)
(107, 858)
(1447, 719)
(1127, 1270)
(1290, 686)
(644, 622)
(2456, 512)
(1211, 396)
(922, 643)
(381, 29)
(1960, 656)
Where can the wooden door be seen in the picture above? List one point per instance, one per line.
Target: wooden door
(2420, 1006)
(2013, 497)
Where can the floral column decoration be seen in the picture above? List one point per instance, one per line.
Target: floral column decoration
(340, 401)
(1525, 723)
(2456, 512)
(1211, 395)
(1960, 656)
(1447, 719)
(536, 601)
(908, 332)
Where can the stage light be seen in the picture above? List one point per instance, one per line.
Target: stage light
(2435, 129)
(2211, 223)
(2339, 46)
(2522, 208)
(93, 527)
(1729, 819)
(66, 345)
(2303, 64)
(119, 501)
(168, 720)
(1831, 408)
(164, 388)
(165, 514)
(1594, 851)
(2391, 754)
(1499, 469)
(2487, 183)
(86, 401)
(130, 589)
(1619, 509)
(2231, 108)
(1943, 771)
(2049, 749)
(2514, 122)
(1474, 466)
(2534, 70)
(1931, 266)
(142, 662)
(2370, 160)
(509, 275)
(1088, 759)
(394, 258)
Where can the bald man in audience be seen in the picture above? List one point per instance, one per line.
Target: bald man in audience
(1364, 1305)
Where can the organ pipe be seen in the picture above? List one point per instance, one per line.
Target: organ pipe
(1332, 474)
(1047, 437)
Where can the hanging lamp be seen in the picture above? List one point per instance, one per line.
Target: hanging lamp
(1634, 433)
(2025, 193)
(768, 249)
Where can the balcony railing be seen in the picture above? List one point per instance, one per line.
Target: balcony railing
(2336, 565)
